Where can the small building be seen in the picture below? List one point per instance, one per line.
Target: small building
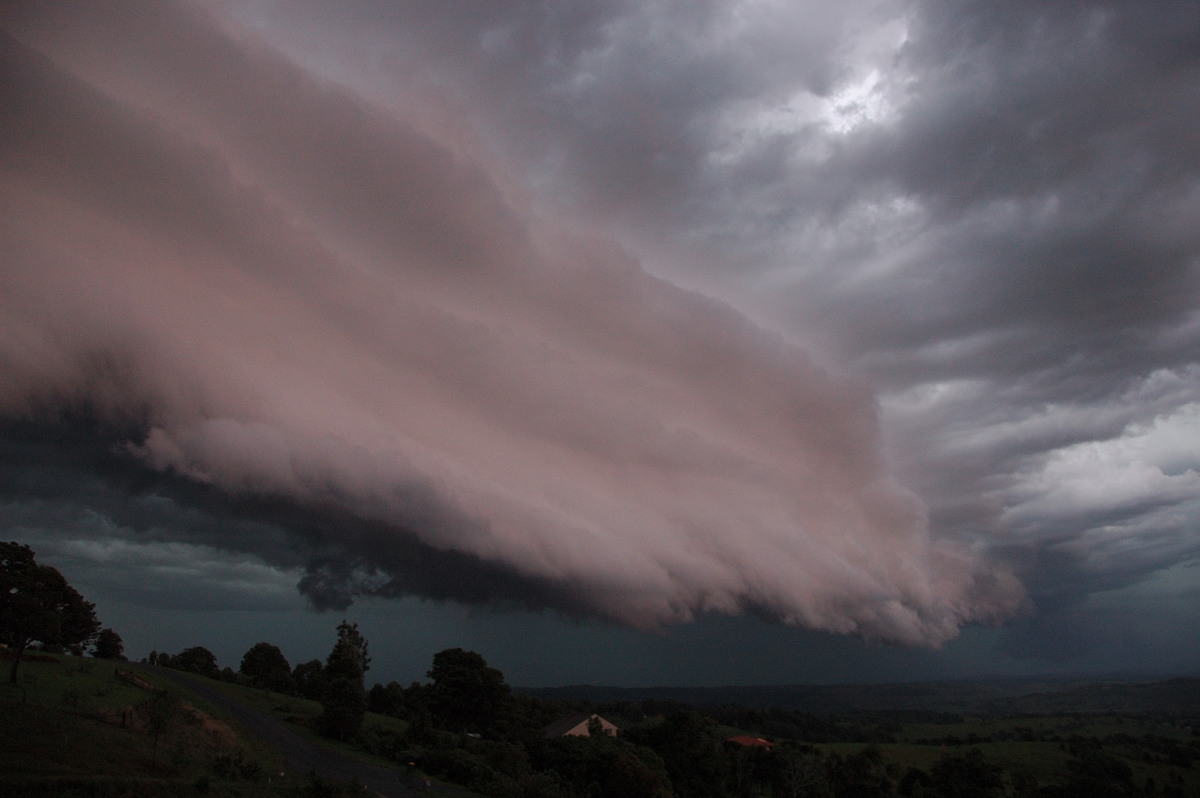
(746, 741)
(579, 725)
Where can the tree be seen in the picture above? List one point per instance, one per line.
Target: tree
(160, 710)
(693, 752)
(1097, 773)
(109, 645)
(345, 699)
(466, 693)
(387, 699)
(863, 773)
(266, 667)
(606, 768)
(968, 775)
(310, 679)
(801, 772)
(38, 605)
(197, 659)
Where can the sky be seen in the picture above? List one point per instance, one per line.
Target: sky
(629, 343)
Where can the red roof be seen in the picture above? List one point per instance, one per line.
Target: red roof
(751, 742)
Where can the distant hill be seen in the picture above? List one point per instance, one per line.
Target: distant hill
(991, 697)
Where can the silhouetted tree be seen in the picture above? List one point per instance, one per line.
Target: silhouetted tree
(310, 679)
(37, 605)
(917, 782)
(197, 659)
(109, 645)
(693, 752)
(466, 694)
(967, 775)
(801, 772)
(1097, 773)
(386, 699)
(859, 775)
(266, 666)
(606, 768)
(345, 700)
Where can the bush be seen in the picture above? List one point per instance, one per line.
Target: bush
(458, 766)
(317, 787)
(237, 766)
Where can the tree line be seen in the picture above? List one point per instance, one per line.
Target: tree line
(467, 726)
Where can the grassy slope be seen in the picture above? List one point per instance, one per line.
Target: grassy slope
(70, 727)
(301, 713)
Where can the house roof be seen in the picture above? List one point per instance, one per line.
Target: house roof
(564, 725)
(750, 742)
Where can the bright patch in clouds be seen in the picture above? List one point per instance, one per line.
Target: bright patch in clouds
(1155, 463)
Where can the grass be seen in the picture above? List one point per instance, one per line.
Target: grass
(300, 714)
(1037, 748)
(74, 726)
(78, 683)
(1050, 727)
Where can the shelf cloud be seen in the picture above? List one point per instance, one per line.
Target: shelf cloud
(274, 299)
(877, 319)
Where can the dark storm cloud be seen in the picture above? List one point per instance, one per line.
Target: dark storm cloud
(984, 211)
(1052, 148)
(77, 475)
(989, 209)
(1053, 302)
(285, 321)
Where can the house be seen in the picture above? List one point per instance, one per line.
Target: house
(746, 741)
(579, 725)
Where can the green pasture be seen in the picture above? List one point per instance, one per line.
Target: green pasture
(80, 684)
(1044, 762)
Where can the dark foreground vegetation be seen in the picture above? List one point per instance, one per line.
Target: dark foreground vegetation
(85, 727)
(78, 726)
(667, 748)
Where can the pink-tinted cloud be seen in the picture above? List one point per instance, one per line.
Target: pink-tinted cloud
(304, 295)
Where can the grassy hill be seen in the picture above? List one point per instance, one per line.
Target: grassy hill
(82, 727)
(75, 726)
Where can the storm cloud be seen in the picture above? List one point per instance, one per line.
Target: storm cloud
(871, 318)
(279, 302)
